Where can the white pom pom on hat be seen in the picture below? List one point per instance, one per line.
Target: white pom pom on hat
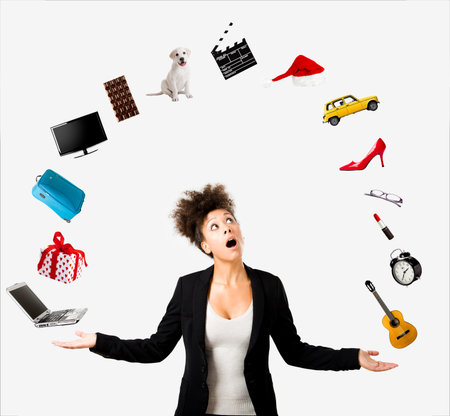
(304, 71)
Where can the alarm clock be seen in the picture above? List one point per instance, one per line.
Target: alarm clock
(405, 269)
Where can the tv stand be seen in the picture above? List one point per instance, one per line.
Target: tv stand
(85, 152)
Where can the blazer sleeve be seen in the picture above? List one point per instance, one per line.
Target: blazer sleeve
(149, 350)
(300, 354)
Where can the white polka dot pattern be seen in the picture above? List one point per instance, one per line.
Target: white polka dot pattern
(65, 265)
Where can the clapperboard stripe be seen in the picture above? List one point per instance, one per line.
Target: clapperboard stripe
(235, 59)
(221, 39)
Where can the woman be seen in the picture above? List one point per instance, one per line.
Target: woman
(225, 314)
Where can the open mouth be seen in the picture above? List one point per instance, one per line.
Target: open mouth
(231, 243)
(182, 63)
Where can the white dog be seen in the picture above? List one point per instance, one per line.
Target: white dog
(177, 81)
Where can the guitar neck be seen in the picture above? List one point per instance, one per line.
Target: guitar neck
(383, 305)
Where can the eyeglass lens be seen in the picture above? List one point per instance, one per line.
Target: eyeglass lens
(393, 198)
(376, 192)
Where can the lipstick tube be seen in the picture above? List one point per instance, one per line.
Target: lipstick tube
(384, 228)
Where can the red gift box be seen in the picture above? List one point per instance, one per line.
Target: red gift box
(61, 261)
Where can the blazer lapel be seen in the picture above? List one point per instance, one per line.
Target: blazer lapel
(200, 298)
(258, 306)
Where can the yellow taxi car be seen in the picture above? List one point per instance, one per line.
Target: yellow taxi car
(346, 105)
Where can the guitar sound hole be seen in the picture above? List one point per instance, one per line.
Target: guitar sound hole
(395, 323)
(404, 333)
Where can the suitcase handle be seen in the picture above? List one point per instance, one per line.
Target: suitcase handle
(39, 176)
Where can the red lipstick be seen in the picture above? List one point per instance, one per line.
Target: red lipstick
(384, 228)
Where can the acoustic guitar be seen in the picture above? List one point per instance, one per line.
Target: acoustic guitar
(401, 333)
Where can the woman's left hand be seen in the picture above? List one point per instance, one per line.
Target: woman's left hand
(368, 363)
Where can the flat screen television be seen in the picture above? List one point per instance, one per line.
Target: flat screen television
(79, 134)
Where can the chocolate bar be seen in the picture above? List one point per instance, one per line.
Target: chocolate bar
(121, 99)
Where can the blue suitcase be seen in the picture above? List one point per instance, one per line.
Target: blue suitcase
(59, 194)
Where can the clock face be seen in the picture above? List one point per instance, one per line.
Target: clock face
(403, 272)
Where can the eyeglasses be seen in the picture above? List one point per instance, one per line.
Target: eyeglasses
(395, 199)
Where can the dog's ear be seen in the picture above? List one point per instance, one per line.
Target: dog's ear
(172, 54)
(188, 51)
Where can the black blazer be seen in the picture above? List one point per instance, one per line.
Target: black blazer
(185, 316)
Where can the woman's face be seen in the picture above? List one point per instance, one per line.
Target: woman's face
(222, 236)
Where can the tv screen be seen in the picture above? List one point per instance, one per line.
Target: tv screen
(79, 134)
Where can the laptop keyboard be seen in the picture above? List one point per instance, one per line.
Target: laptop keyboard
(56, 316)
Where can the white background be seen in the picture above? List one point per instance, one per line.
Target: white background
(303, 219)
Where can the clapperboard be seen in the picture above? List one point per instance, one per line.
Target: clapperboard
(234, 59)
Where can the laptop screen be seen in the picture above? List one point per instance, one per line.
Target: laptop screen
(29, 301)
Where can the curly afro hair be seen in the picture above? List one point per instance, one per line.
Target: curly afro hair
(190, 212)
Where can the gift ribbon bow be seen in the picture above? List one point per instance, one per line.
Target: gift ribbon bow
(60, 247)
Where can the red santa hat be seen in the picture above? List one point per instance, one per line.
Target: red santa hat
(304, 71)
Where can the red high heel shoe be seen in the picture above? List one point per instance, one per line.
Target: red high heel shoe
(378, 149)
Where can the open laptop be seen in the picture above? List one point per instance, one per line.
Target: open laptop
(38, 312)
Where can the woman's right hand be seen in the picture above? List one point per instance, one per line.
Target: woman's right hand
(85, 341)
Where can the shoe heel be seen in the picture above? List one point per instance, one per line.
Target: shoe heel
(381, 158)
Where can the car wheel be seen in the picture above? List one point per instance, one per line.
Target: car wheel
(372, 106)
(334, 121)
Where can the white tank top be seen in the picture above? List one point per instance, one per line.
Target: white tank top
(226, 344)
